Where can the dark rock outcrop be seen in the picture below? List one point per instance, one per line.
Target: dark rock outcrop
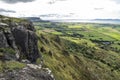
(26, 40)
(3, 40)
(18, 42)
(21, 37)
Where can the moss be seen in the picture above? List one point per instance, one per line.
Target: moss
(1, 54)
(11, 65)
(2, 49)
(38, 61)
(1, 66)
(8, 50)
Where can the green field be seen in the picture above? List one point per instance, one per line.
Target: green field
(80, 51)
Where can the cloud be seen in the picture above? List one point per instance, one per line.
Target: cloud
(98, 8)
(117, 1)
(58, 15)
(9, 11)
(62, 8)
(16, 1)
(54, 1)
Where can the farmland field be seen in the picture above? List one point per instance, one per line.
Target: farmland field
(80, 51)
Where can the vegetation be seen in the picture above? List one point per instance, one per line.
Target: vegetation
(80, 51)
(7, 50)
(7, 20)
(11, 65)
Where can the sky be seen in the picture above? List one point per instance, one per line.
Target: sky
(62, 9)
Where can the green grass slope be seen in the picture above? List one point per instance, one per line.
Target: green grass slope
(79, 53)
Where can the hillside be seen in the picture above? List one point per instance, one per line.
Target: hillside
(19, 54)
(71, 51)
(77, 51)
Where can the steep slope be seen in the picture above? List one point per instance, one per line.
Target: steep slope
(19, 50)
(72, 58)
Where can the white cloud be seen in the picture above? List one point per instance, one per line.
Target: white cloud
(82, 9)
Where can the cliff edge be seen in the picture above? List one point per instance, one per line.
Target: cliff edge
(19, 51)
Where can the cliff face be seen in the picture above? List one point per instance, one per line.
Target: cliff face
(19, 51)
(26, 41)
(21, 37)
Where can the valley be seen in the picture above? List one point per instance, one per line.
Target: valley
(59, 39)
(80, 51)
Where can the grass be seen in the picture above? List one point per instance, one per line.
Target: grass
(80, 41)
(11, 65)
(57, 33)
(75, 26)
(74, 56)
(8, 50)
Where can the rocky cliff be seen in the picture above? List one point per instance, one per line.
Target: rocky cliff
(18, 43)
(20, 37)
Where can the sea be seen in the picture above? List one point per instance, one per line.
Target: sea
(88, 21)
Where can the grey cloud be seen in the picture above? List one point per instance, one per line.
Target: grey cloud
(57, 15)
(54, 1)
(16, 1)
(98, 8)
(4, 10)
(49, 15)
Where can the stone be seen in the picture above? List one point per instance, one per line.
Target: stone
(3, 40)
(20, 37)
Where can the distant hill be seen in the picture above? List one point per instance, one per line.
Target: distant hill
(102, 21)
(34, 19)
(106, 19)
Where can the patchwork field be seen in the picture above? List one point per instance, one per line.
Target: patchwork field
(80, 51)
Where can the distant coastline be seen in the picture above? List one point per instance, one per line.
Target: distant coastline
(104, 21)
